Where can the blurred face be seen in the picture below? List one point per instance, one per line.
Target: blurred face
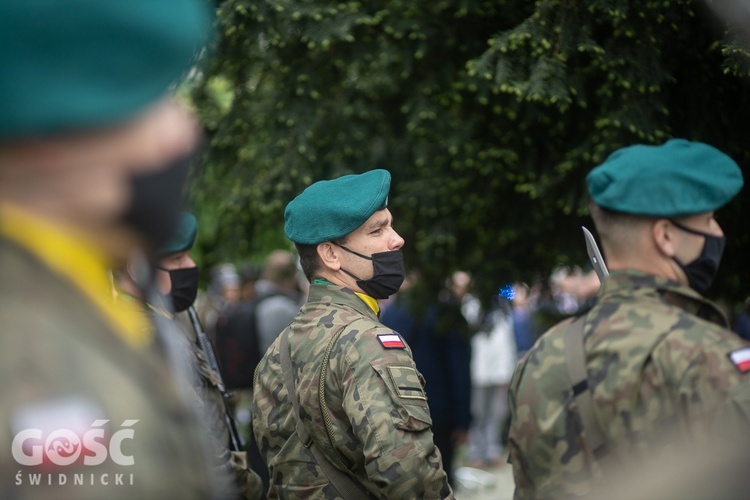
(521, 295)
(231, 294)
(84, 179)
(460, 282)
(179, 260)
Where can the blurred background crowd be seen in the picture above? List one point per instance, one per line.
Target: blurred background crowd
(466, 345)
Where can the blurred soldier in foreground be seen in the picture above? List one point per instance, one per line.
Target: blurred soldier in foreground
(339, 407)
(658, 367)
(177, 283)
(87, 142)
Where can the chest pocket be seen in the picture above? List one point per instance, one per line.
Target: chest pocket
(405, 386)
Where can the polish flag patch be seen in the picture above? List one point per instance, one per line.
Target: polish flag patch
(393, 341)
(741, 359)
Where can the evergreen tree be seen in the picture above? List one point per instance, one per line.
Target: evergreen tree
(488, 114)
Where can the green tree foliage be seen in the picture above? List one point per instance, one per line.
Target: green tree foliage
(488, 114)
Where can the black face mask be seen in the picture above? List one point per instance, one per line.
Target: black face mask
(184, 287)
(388, 273)
(702, 271)
(156, 200)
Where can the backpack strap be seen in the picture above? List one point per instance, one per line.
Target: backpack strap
(592, 441)
(342, 481)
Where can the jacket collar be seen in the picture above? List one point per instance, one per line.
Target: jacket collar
(334, 294)
(641, 285)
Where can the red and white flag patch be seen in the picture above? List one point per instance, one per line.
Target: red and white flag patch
(741, 359)
(391, 341)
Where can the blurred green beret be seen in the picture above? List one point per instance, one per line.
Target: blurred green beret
(677, 178)
(329, 210)
(183, 237)
(77, 64)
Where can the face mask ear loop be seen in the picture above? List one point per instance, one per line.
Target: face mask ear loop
(683, 227)
(352, 251)
(350, 274)
(687, 229)
(355, 253)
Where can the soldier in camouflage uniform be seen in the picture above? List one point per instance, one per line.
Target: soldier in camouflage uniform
(87, 134)
(177, 283)
(361, 398)
(661, 366)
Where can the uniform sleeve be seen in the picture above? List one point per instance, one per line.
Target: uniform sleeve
(515, 457)
(210, 400)
(713, 390)
(249, 483)
(385, 401)
(543, 440)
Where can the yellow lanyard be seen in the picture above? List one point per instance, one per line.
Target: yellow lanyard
(371, 302)
(77, 262)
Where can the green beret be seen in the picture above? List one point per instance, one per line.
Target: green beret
(77, 64)
(677, 178)
(183, 237)
(329, 210)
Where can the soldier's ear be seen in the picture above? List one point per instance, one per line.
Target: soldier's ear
(329, 256)
(664, 236)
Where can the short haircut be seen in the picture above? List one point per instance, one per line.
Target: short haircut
(308, 260)
(617, 230)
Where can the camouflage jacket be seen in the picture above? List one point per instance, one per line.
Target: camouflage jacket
(660, 362)
(82, 414)
(378, 423)
(211, 402)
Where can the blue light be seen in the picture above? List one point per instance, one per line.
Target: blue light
(507, 292)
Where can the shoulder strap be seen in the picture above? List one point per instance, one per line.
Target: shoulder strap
(324, 411)
(348, 488)
(575, 358)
